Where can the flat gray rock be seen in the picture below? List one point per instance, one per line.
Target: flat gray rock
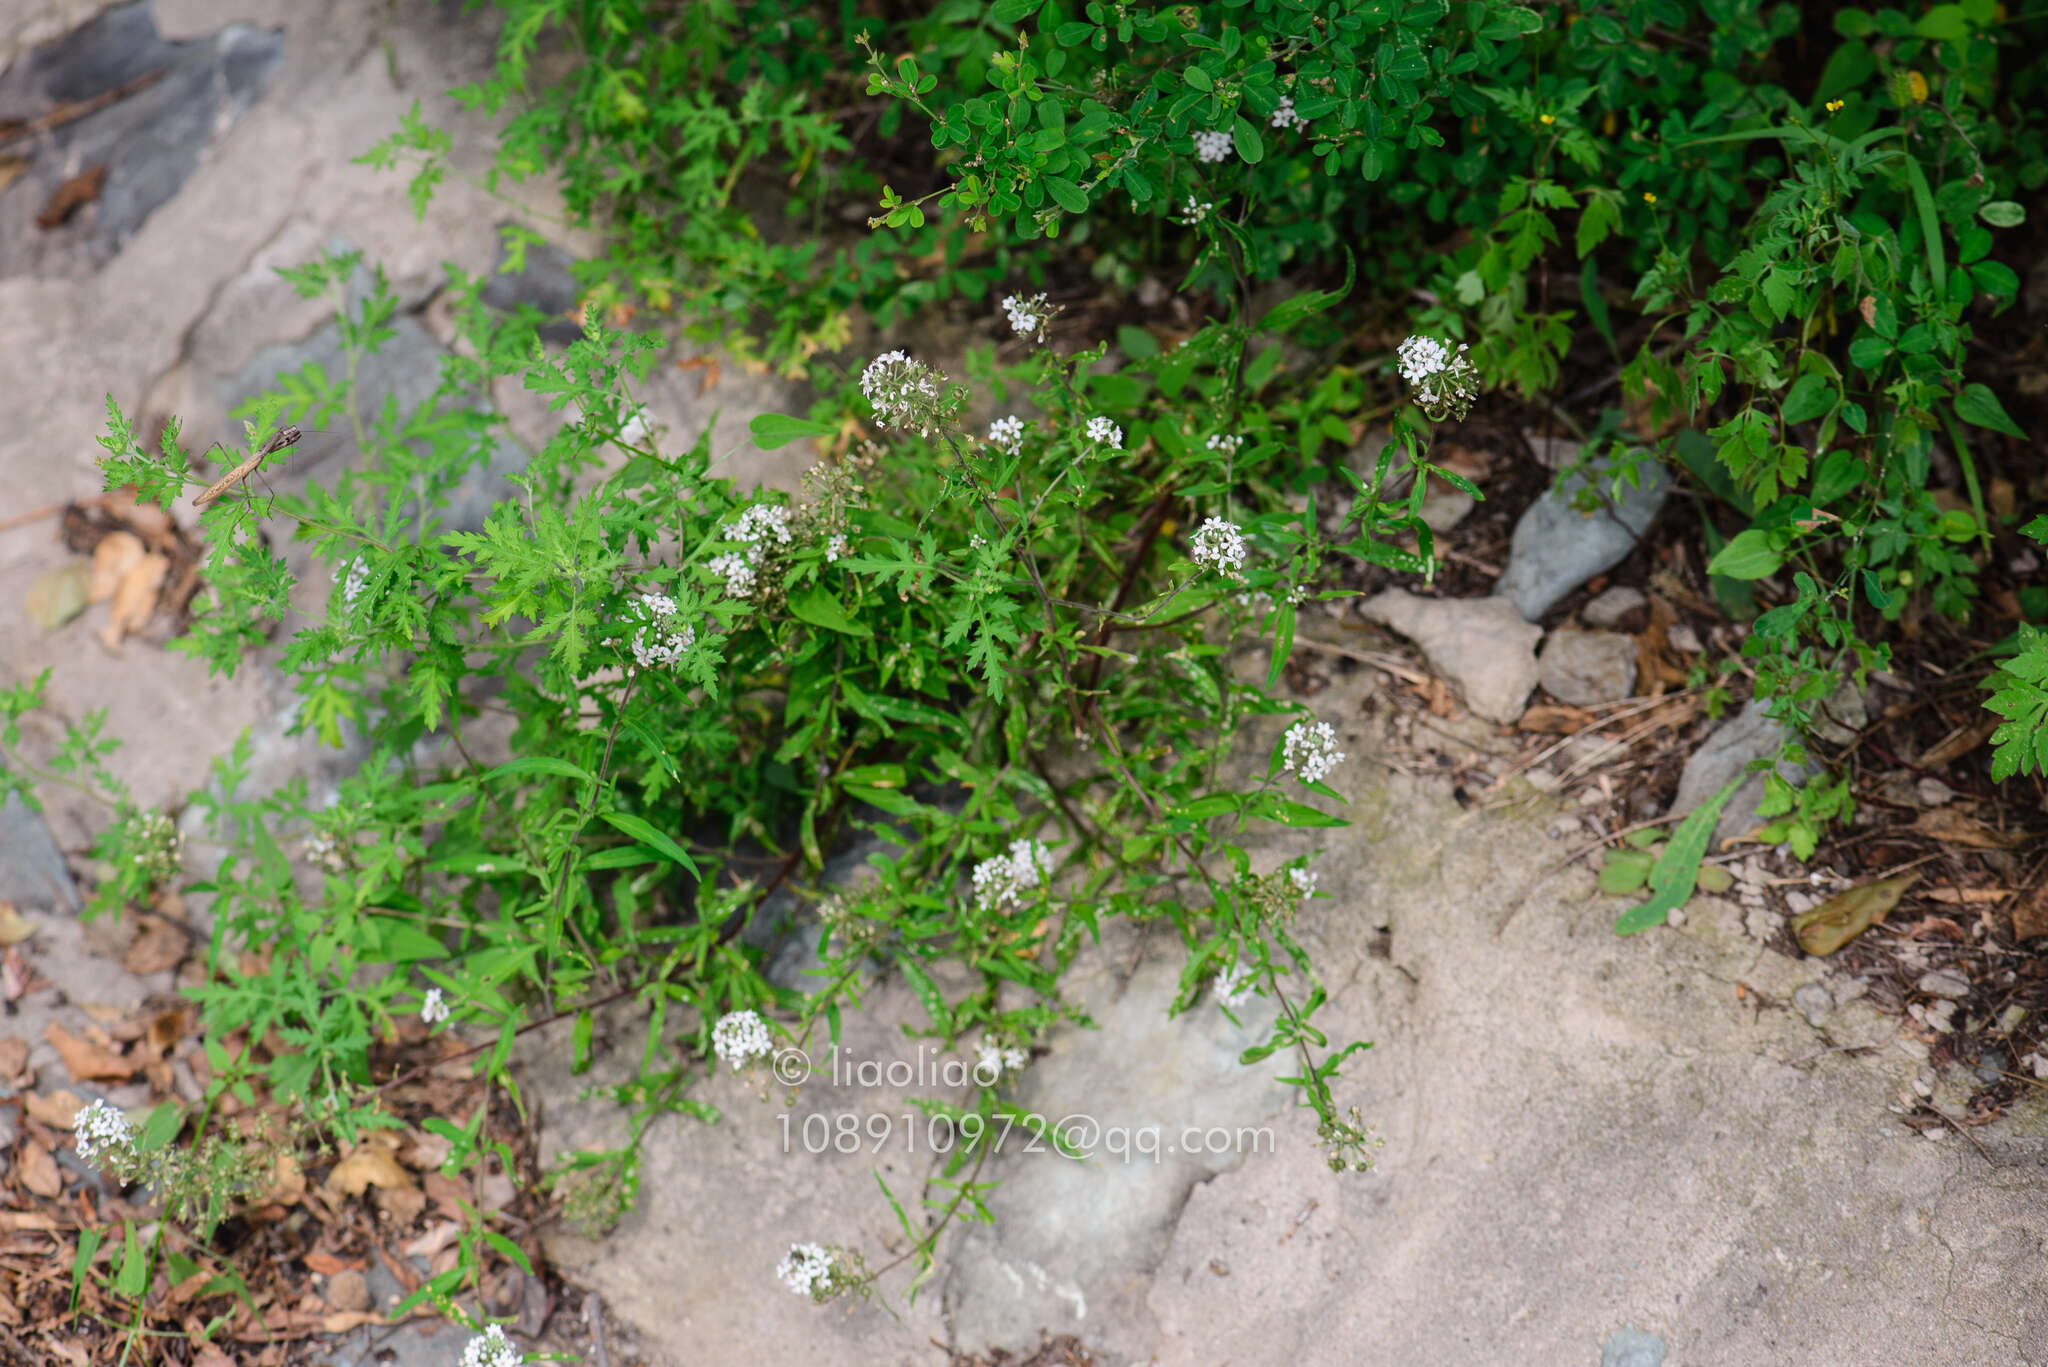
(1585, 668)
(1480, 644)
(1724, 755)
(1556, 547)
(33, 874)
(149, 141)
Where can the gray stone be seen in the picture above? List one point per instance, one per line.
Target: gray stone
(1607, 610)
(1845, 713)
(1444, 507)
(1556, 547)
(1631, 1347)
(1585, 668)
(1814, 1002)
(33, 874)
(1942, 982)
(150, 141)
(1479, 644)
(1724, 755)
(546, 283)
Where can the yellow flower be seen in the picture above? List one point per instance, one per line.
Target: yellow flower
(1649, 198)
(1834, 105)
(1546, 118)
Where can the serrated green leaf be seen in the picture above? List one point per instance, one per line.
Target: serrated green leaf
(773, 431)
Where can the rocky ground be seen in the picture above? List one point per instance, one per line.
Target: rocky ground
(1689, 1147)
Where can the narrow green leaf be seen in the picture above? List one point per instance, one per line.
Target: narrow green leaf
(1671, 881)
(641, 831)
(773, 431)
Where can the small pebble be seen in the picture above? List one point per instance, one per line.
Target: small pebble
(1932, 792)
(1941, 982)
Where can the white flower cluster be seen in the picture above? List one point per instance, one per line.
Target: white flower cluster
(1003, 879)
(836, 547)
(993, 1060)
(1212, 144)
(102, 1132)
(1304, 881)
(903, 392)
(1284, 116)
(1220, 546)
(1310, 750)
(352, 583)
(1196, 211)
(1007, 434)
(1444, 381)
(741, 569)
(492, 1349)
(1102, 430)
(1234, 986)
(1027, 316)
(1225, 443)
(157, 844)
(659, 640)
(739, 1038)
(809, 1270)
(434, 1009)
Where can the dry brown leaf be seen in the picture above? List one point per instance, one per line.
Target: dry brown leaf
(1556, 719)
(369, 1164)
(14, 927)
(18, 1220)
(56, 596)
(135, 598)
(38, 1171)
(58, 1110)
(10, 1313)
(166, 1029)
(1846, 915)
(1966, 897)
(111, 560)
(68, 198)
(287, 1182)
(1958, 743)
(437, 1237)
(402, 1204)
(17, 975)
(1952, 826)
(341, 1321)
(2030, 912)
(328, 1264)
(86, 1061)
(160, 948)
(13, 1058)
(210, 1356)
(11, 169)
(71, 1351)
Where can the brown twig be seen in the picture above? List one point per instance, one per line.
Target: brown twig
(77, 109)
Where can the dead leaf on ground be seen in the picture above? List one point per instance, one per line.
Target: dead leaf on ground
(17, 976)
(86, 1061)
(1958, 743)
(1952, 826)
(369, 1164)
(1966, 897)
(1846, 915)
(58, 1110)
(13, 1057)
(1556, 719)
(210, 1356)
(11, 169)
(56, 596)
(2030, 912)
(38, 1170)
(14, 927)
(111, 560)
(68, 198)
(434, 1240)
(328, 1264)
(160, 947)
(135, 598)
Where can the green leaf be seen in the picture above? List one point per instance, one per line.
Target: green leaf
(1010, 11)
(773, 431)
(928, 993)
(1748, 556)
(1625, 872)
(1283, 643)
(1246, 138)
(641, 831)
(1198, 79)
(1067, 195)
(2002, 213)
(1811, 396)
(1671, 881)
(817, 607)
(541, 764)
(1979, 407)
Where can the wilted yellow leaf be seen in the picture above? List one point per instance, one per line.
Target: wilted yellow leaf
(1846, 915)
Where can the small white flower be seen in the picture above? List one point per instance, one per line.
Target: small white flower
(492, 1349)
(1284, 116)
(1007, 434)
(836, 547)
(1225, 443)
(1196, 211)
(809, 1270)
(1212, 144)
(903, 392)
(1027, 316)
(1001, 880)
(1310, 750)
(738, 574)
(351, 585)
(1444, 381)
(739, 1038)
(660, 639)
(1234, 986)
(992, 1060)
(1220, 546)
(1304, 881)
(434, 1010)
(1104, 431)
(102, 1131)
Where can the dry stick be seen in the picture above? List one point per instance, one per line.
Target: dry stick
(78, 109)
(1652, 704)
(1389, 663)
(8, 524)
